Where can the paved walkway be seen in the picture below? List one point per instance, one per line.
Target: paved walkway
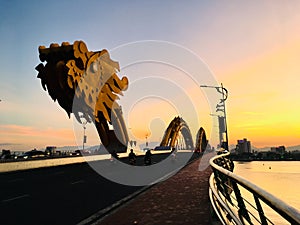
(182, 199)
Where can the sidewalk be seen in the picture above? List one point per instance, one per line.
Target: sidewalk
(182, 199)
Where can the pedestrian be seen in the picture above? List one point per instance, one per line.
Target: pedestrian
(174, 156)
(132, 157)
(147, 158)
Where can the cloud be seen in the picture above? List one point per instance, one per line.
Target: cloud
(12, 129)
(8, 144)
(15, 136)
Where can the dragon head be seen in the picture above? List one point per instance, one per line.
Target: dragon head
(84, 82)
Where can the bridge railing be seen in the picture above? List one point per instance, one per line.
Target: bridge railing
(235, 200)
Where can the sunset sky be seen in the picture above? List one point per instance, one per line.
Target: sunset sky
(252, 47)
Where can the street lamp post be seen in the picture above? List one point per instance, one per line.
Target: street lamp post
(146, 140)
(83, 122)
(221, 107)
(220, 128)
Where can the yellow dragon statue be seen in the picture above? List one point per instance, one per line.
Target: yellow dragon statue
(85, 83)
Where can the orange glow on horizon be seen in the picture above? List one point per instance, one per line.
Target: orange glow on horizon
(264, 102)
(26, 136)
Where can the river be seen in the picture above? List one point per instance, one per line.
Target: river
(280, 178)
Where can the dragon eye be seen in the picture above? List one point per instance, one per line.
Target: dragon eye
(94, 67)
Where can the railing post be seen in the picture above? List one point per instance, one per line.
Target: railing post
(260, 211)
(221, 181)
(243, 213)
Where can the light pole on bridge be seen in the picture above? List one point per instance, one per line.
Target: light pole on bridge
(147, 140)
(221, 108)
(83, 122)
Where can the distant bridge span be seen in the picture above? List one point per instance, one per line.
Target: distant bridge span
(177, 126)
(201, 140)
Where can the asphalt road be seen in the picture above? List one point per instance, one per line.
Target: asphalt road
(59, 195)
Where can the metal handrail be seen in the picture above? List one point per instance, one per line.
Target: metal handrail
(214, 193)
(218, 191)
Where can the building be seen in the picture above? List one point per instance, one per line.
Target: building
(279, 149)
(243, 146)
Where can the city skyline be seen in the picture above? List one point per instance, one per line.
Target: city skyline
(253, 48)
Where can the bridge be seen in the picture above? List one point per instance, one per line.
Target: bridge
(179, 193)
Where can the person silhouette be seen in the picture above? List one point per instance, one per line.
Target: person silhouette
(132, 157)
(147, 158)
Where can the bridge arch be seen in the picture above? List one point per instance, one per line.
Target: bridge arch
(172, 133)
(201, 140)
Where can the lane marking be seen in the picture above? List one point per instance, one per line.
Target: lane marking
(77, 182)
(15, 198)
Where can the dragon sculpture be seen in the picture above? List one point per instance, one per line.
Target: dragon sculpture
(85, 83)
(176, 126)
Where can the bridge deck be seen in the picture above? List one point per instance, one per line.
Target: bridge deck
(182, 199)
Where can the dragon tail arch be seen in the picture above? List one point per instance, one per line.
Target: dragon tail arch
(201, 140)
(177, 126)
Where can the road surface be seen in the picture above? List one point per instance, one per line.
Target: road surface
(58, 195)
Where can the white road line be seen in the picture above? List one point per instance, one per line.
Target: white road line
(77, 182)
(15, 198)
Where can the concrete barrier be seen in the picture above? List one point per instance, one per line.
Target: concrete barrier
(31, 164)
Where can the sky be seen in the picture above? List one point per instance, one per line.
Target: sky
(251, 47)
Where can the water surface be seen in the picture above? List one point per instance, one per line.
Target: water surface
(280, 178)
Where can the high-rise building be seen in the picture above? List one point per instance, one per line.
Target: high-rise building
(243, 146)
(280, 149)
